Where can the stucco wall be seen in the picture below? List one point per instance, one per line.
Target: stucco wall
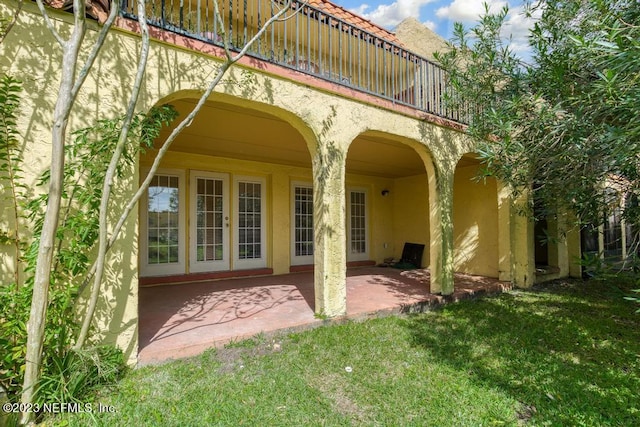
(30, 53)
(475, 223)
(411, 214)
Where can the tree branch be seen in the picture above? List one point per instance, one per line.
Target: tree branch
(49, 24)
(13, 21)
(103, 246)
(97, 46)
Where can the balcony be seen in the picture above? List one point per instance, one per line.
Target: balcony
(313, 41)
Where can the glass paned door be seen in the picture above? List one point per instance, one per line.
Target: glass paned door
(162, 222)
(209, 222)
(249, 223)
(302, 236)
(357, 230)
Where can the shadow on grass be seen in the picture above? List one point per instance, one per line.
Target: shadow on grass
(570, 354)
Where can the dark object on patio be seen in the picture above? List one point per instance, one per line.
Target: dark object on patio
(411, 256)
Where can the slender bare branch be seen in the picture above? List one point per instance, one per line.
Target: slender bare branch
(260, 32)
(13, 21)
(97, 46)
(49, 24)
(103, 246)
(225, 41)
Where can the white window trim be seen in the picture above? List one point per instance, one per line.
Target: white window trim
(244, 264)
(355, 256)
(149, 270)
(196, 266)
(298, 260)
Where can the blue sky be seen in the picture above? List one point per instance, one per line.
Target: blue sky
(439, 15)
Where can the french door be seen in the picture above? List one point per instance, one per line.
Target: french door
(249, 219)
(212, 222)
(225, 231)
(209, 222)
(163, 224)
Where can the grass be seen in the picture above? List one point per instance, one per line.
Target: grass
(564, 354)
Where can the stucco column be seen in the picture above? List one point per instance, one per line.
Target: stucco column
(441, 224)
(504, 232)
(522, 244)
(575, 252)
(569, 245)
(330, 254)
(280, 224)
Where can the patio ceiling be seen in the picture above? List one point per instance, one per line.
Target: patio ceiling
(225, 130)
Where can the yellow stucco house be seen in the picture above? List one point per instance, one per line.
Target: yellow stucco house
(337, 152)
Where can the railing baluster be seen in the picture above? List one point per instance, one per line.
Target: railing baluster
(244, 20)
(285, 53)
(360, 61)
(350, 61)
(415, 82)
(214, 24)
(231, 22)
(368, 70)
(273, 35)
(406, 84)
(385, 85)
(320, 54)
(297, 53)
(259, 26)
(308, 41)
(329, 31)
(393, 73)
(377, 69)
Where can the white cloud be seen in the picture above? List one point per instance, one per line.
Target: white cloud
(360, 10)
(468, 10)
(516, 25)
(430, 25)
(390, 15)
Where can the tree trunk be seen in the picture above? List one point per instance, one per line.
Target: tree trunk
(42, 278)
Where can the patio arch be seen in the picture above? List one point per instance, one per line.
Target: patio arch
(399, 176)
(240, 146)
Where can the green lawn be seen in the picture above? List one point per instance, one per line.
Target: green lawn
(567, 354)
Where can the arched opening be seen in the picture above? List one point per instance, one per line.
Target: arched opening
(386, 174)
(228, 201)
(388, 206)
(475, 220)
(220, 200)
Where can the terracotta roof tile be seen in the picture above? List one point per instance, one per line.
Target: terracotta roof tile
(354, 19)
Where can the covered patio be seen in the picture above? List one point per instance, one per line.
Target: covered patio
(182, 320)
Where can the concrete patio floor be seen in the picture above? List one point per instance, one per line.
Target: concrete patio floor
(182, 320)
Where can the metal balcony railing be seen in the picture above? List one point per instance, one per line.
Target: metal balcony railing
(313, 42)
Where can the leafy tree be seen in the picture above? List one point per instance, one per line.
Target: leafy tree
(564, 123)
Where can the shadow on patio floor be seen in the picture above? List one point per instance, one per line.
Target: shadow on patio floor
(182, 320)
